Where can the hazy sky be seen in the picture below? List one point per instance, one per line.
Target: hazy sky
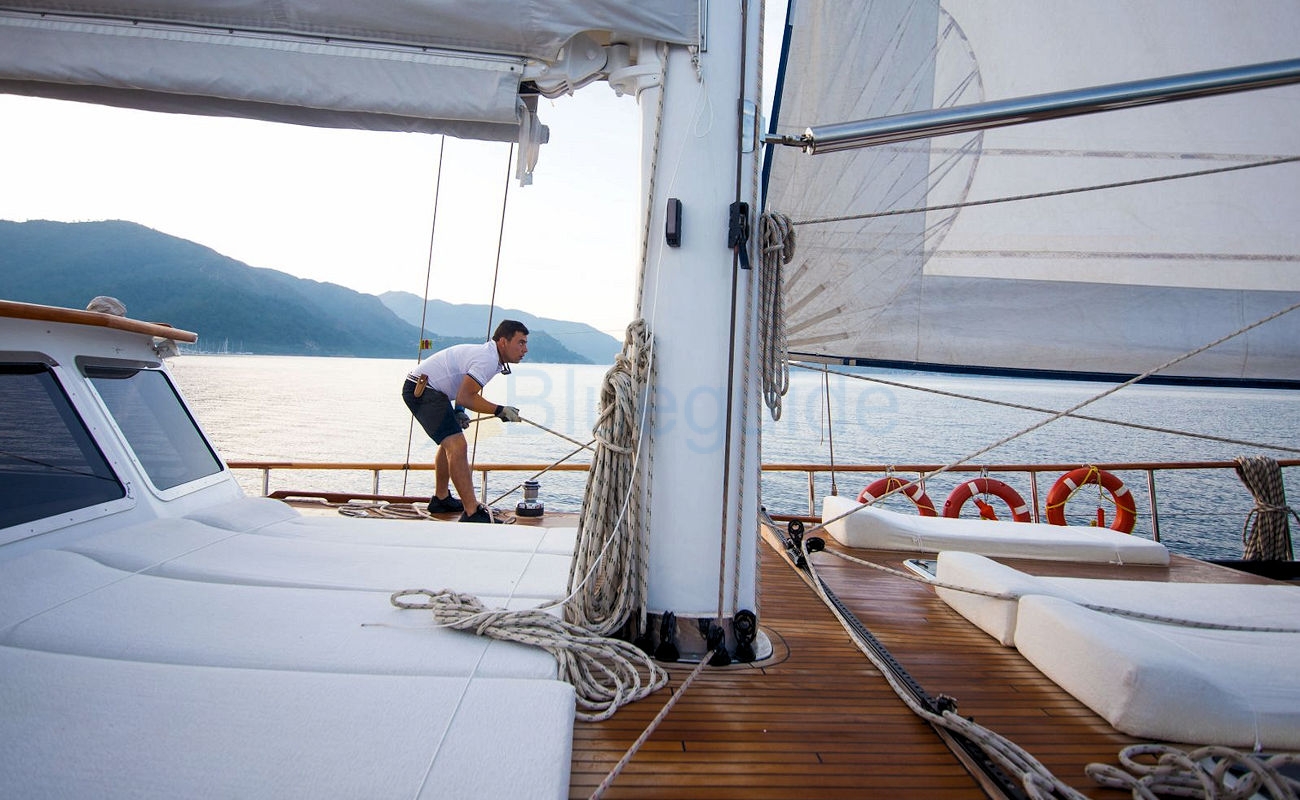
(350, 207)
(356, 208)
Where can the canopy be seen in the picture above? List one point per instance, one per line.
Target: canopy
(443, 66)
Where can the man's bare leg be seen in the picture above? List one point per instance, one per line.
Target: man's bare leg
(456, 451)
(441, 473)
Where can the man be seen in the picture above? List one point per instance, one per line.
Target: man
(458, 375)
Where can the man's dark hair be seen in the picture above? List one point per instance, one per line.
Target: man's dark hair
(508, 328)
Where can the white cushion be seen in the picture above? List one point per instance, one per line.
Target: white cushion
(879, 528)
(189, 550)
(1165, 682)
(1261, 605)
(71, 604)
(75, 726)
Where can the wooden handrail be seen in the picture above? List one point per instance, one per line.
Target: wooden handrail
(516, 467)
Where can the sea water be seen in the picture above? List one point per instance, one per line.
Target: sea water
(303, 409)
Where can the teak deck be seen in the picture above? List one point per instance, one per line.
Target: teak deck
(817, 720)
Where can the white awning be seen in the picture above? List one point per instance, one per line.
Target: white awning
(444, 66)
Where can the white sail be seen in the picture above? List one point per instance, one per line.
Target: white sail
(443, 66)
(1115, 281)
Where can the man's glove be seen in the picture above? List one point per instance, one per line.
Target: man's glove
(462, 417)
(507, 413)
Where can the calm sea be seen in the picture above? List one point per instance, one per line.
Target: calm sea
(349, 410)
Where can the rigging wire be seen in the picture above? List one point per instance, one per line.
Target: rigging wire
(496, 275)
(424, 306)
(1039, 409)
(1055, 193)
(830, 430)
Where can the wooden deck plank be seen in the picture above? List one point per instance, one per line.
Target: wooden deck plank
(817, 721)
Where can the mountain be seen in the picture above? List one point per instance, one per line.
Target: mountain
(228, 303)
(464, 319)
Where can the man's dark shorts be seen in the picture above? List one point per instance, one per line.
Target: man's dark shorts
(433, 411)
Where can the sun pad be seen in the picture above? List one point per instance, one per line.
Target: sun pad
(879, 528)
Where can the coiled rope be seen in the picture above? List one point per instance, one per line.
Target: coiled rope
(777, 245)
(1205, 772)
(605, 673)
(608, 576)
(1269, 538)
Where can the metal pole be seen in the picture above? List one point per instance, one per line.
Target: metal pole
(1054, 105)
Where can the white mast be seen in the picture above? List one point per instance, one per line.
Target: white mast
(703, 466)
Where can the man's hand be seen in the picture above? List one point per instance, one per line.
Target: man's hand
(507, 413)
(462, 418)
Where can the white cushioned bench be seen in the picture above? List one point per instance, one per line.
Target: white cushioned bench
(1150, 679)
(879, 528)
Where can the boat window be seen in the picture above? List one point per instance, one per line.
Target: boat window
(156, 424)
(49, 462)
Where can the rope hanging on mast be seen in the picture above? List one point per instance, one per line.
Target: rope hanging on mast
(777, 243)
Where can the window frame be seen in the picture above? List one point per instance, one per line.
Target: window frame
(24, 530)
(86, 364)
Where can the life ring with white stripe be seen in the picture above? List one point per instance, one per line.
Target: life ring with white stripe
(974, 489)
(912, 489)
(1069, 483)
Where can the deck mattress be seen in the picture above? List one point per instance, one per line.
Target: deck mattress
(1171, 680)
(879, 528)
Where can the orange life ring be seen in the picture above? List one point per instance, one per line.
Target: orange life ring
(980, 486)
(912, 489)
(1072, 481)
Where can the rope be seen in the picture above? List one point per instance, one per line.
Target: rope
(1270, 537)
(1038, 781)
(605, 673)
(1091, 479)
(650, 729)
(496, 274)
(424, 308)
(1181, 622)
(610, 551)
(382, 509)
(777, 249)
(1213, 773)
(1056, 193)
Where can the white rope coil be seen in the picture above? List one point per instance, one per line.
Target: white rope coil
(1211, 773)
(607, 579)
(605, 673)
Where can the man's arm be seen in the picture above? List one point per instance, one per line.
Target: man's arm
(470, 396)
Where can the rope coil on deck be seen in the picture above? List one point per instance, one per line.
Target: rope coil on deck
(1187, 774)
(605, 673)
